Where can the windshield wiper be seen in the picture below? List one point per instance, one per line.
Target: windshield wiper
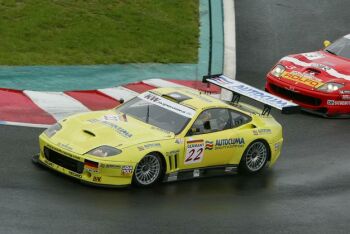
(331, 52)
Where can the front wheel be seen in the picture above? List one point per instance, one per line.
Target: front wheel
(148, 171)
(254, 158)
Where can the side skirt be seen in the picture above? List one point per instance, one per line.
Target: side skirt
(201, 172)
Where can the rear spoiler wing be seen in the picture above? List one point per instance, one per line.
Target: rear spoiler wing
(238, 88)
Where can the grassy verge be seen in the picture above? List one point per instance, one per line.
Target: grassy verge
(41, 32)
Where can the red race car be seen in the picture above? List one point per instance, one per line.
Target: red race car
(318, 81)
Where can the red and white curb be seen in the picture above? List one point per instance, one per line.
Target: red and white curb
(42, 109)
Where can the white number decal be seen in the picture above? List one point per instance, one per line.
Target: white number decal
(195, 151)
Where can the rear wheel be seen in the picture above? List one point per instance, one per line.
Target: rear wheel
(148, 171)
(254, 158)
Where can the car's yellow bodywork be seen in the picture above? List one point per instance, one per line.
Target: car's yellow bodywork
(84, 132)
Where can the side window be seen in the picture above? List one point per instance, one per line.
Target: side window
(238, 119)
(211, 120)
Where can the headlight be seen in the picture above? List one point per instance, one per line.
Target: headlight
(104, 151)
(52, 130)
(278, 70)
(330, 87)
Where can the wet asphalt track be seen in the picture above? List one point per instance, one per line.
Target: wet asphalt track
(307, 191)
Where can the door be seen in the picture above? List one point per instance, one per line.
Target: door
(211, 140)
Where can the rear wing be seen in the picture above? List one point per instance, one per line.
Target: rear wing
(238, 88)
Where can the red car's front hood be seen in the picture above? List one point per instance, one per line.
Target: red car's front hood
(312, 70)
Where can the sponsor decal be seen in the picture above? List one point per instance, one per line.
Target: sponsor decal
(149, 146)
(172, 176)
(90, 167)
(121, 131)
(345, 97)
(337, 103)
(97, 179)
(252, 92)
(277, 146)
(262, 131)
(196, 173)
(302, 78)
(194, 152)
(167, 104)
(74, 174)
(179, 141)
(344, 91)
(229, 143)
(126, 170)
(115, 117)
(65, 146)
(209, 145)
(313, 55)
(107, 166)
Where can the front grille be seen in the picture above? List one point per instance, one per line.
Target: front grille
(63, 161)
(296, 96)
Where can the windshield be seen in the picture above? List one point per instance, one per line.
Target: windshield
(340, 47)
(154, 115)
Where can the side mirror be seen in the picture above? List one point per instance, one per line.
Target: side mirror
(326, 43)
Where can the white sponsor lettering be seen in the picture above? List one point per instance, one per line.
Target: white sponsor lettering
(313, 55)
(251, 92)
(167, 104)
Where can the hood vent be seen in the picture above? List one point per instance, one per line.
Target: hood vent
(312, 71)
(90, 133)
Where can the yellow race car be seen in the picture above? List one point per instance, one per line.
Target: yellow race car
(165, 134)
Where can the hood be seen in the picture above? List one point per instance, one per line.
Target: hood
(311, 70)
(85, 132)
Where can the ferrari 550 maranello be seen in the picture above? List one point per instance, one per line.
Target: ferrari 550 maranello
(318, 81)
(166, 134)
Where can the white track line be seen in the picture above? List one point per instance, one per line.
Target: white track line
(57, 104)
(119, 93)
(160, 83)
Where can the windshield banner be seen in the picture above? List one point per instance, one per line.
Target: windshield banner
(253, 93)
(167, 104)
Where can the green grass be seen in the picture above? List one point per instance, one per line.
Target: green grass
(43, 32)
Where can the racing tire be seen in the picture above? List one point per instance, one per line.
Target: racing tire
(254, 157)
(148, 171)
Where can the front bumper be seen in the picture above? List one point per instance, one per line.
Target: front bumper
(325, 104)
(107, 174)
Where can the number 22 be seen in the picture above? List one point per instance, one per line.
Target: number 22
(192, 152)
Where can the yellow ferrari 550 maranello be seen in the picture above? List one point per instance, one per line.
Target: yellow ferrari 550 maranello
(166, 134)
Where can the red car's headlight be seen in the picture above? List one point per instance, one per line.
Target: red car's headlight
(330, 87)
(278, 70)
